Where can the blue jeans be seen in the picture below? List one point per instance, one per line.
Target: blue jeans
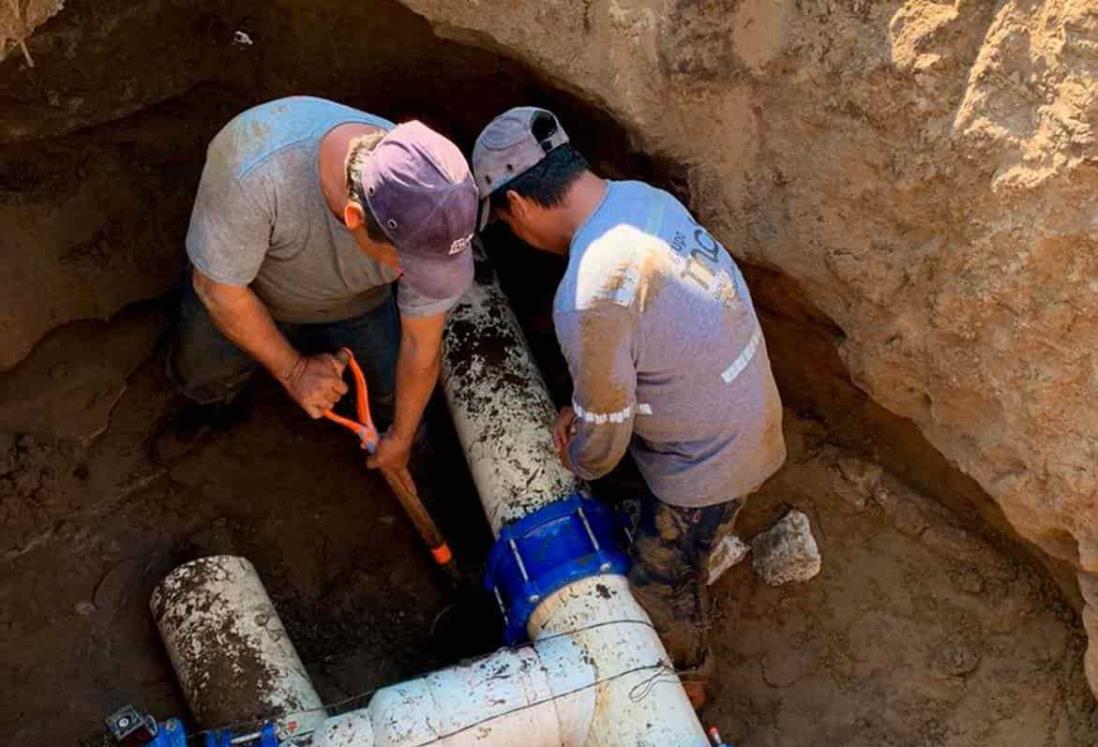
(209, 369)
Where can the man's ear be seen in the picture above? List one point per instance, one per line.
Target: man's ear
(354, 217)
(516, 204)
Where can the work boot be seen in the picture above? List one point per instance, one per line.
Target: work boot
(191, 424)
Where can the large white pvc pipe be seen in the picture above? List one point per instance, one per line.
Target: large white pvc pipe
(229, 649)
(596, 673)
(500, 405)
(640, 700)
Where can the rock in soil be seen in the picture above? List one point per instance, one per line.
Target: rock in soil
(786, 552)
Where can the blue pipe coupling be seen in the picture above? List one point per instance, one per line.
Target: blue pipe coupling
(549, 549)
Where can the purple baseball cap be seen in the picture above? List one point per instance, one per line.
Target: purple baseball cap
(420, 190)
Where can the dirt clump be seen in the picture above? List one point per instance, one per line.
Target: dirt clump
(786, 552)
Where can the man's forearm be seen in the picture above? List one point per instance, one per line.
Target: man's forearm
(245, 321)
(416, 377)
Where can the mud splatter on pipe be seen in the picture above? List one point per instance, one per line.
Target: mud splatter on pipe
(500, 405)
(233, 658)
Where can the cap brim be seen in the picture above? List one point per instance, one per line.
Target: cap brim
(438, 277)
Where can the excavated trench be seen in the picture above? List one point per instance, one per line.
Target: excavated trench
(930, 623)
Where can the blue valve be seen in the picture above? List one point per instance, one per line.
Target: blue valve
(129, 727)
(224, 738)
(554, 546)
(170, 733)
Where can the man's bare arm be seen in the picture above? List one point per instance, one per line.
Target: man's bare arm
(315, 382)
(417, 372)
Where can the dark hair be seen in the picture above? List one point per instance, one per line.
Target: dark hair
(546, 182)
(360, 151)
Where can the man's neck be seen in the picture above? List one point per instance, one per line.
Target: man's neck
(332, 162)
(582, 199)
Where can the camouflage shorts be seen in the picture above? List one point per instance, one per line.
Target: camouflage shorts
(671, 552)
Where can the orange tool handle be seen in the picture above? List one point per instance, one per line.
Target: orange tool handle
(364, 427)
(424, 524)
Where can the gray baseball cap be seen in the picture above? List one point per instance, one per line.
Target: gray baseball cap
(508, 147)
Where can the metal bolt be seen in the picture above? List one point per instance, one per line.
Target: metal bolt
(518, 559)
(587, 528)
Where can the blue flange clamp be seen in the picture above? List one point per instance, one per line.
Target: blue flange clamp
(555, 546)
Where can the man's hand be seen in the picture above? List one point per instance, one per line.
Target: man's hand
(392, 455)
(563, 430)
(316, 383)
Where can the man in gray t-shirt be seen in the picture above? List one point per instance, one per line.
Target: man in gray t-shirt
(308, 213)
(666, 356)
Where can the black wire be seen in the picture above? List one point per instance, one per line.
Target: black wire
(660, 668)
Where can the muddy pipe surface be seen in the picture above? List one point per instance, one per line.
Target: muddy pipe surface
(501, 408)
(230, 651)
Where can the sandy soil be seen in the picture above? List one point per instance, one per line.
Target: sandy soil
(917, 632)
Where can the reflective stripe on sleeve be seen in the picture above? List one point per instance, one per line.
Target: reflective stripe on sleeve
(600, 418)
(744, 357)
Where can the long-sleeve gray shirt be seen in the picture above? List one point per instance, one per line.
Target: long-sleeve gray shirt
(666, 353)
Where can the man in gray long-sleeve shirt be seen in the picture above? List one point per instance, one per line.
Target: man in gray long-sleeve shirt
(666, 356)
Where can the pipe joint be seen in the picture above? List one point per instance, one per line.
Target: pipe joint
(554, 546)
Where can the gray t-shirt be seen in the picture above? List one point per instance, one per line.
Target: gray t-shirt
(666, 353)
(260, 219)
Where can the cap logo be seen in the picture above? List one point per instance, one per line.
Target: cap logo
(461, 244)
